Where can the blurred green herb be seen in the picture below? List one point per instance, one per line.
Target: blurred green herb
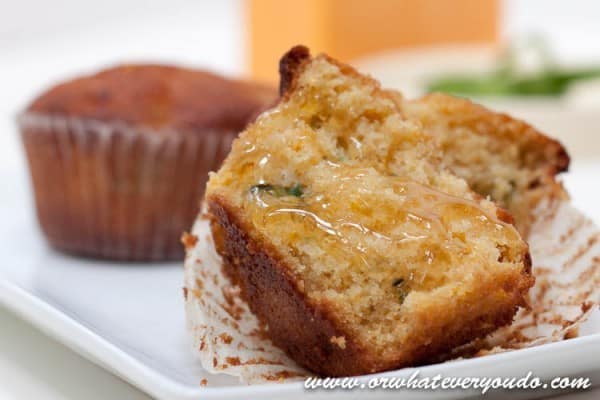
(509, 80)
(278, 191)
(401, 289)
(550, 82)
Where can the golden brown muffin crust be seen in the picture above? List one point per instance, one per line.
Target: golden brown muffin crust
(289, 64)
(158, 96)
(303, 330)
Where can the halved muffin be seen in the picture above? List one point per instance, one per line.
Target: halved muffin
(350, 241)
(499, 156)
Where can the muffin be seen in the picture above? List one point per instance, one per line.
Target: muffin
(119, 160)
(499, 156)
(349, 239)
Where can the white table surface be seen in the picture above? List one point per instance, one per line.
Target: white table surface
(34, 366)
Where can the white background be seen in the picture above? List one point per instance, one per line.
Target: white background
(45, 41)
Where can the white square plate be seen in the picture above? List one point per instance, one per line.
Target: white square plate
(129, 318)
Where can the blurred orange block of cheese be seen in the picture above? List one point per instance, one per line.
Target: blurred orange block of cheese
(347, 29)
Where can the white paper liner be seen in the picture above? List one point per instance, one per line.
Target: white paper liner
(114, 190)
(226, 336)
(565, 248)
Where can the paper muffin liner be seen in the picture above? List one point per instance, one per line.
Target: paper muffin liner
(110, 190)
(565, 248)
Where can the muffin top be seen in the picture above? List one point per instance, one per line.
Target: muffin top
(158, 96)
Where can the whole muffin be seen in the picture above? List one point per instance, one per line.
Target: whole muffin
(119, 160)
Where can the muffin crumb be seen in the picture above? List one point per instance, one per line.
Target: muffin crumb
(340, 341)
(188, 240)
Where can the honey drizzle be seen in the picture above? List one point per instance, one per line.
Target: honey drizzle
(423, 206)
